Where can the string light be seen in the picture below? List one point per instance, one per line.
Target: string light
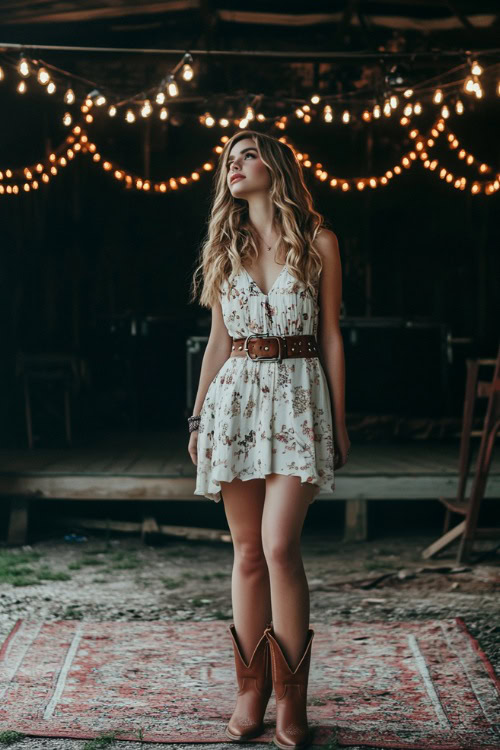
(51, 87)
(2, 74)
(43, 76)
(328, 113)
(163, 113)
(24, 68)
(146, 108)
(21, 87)
(315, 99)
(187, 71)
(476, 69)
(69, 96)
(438, 96)
(129, 116)
(160, 97)
(112, 111)
(172, 88)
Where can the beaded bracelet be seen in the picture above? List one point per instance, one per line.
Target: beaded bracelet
(194, 423)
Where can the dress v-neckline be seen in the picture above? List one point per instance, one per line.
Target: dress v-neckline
(258, 287)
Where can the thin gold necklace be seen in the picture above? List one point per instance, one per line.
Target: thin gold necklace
(269, 247)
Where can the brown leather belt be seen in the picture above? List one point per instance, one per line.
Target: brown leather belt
(274, 348)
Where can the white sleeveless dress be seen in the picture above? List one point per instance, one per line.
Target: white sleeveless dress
(264, 417)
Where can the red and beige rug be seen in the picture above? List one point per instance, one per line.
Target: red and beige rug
(396, 685)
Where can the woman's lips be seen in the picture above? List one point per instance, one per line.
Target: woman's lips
(237, 177)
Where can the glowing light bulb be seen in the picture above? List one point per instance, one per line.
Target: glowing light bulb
(163, 113)
(328, 113)
(223, 122)
(249, 113)
(129, 116)
(21, 87)
(315, 99)
(43, 76)
(469, 85)
(387, 108)
(407, 93)
(376, 110)
(69, 96)
(24, 68)
(299, 112)
(51, 87)
(160, 97)
(476, 69)
(417, 108)
(459, 107)
(243, 123)
(146, 108)
(346, 116)
(209, 120)
(172, 88)
(394, 101)
(112, 111)
(2, 74)
(100, 100)
(438, 96)
(67, 119)
(187, 72)
(445, 112)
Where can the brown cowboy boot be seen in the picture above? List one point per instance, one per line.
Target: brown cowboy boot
(255, 686)
(290, 687)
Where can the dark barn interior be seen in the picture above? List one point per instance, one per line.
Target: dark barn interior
(102, 346)
(119, 584)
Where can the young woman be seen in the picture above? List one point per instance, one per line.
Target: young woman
(268, 427)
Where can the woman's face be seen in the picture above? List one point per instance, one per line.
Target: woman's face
(246, 172)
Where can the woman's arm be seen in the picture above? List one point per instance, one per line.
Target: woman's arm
(329, 336)
(217, 351)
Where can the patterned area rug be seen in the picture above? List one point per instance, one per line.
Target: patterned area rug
(396, 685)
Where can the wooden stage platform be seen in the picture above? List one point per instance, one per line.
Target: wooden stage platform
(157, 466)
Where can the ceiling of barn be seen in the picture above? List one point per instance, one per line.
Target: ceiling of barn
(304, 33)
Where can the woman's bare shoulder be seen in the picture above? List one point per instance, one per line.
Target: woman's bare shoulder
(326, 240)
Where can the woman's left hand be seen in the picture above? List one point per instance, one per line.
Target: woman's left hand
(342, 446)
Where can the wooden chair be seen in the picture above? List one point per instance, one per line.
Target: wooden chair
(61, 369)
(467, 530)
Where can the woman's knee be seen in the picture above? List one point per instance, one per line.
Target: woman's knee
(283, 553)
(249, 556)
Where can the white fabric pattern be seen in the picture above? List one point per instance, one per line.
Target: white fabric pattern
(264, 417)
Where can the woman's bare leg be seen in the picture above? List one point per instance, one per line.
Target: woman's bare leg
(285, 510)
(250, 589)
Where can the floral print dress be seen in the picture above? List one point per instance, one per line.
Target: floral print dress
(264, 417)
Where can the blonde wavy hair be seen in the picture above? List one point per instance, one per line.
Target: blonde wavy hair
(230, 238)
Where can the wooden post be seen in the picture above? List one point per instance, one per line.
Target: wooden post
(356, 526)
(18, 522)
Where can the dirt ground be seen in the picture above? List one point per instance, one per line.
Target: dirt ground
(119, 578)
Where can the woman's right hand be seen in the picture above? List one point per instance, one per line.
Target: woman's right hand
(193, 447)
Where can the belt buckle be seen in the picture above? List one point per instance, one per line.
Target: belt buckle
(279, 358)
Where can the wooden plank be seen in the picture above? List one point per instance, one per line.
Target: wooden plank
(444, 540)
(104, 487)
